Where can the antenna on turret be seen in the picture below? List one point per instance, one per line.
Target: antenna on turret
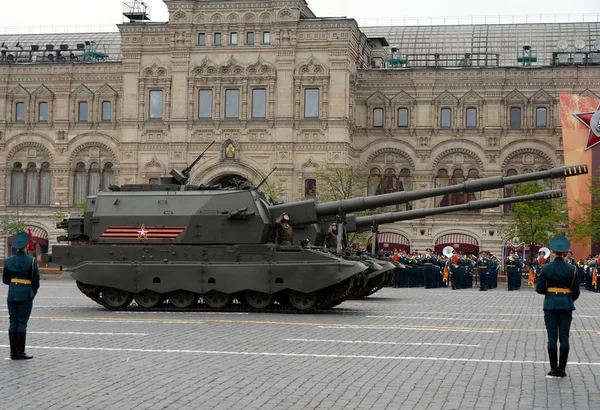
(264, 179)
(181, 177)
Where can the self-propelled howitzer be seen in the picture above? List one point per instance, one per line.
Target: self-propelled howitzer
(188, 247)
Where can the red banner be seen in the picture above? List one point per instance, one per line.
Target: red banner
(580, 134)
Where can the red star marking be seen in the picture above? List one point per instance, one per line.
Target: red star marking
(142, 233)
(593, 137)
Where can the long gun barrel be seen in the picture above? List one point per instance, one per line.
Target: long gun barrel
(308, 212)
(364, 223)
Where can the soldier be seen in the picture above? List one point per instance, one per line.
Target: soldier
(429, 269)
(284, 230)
(513, 271)
(22, 276)
(483, 264)
(331, 238)
(558, 281)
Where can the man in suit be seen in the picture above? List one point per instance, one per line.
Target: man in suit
(558, 281)
(22, 276)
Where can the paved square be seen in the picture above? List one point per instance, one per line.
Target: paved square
(399, 349)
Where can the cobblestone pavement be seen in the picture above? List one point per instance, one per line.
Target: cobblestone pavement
(399, 349)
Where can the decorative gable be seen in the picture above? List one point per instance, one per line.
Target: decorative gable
(82, 91)
(106, 91)
(471, 97)
(542, 97)
(403, 98)
(377, 98)
(446, 98)
(515, 96)
(19, 91)
(42, 92)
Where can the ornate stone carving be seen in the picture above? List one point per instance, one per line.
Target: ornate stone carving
(527, 157)
(461, 157)
(310, 164)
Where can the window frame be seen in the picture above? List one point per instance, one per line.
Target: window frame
(266, 94)
(442, 109)
(17, 105)
(87, 111)
(537, 125)
(215, 42)
(212, 96)
(378, 109)
(248, 34)
(398, 117)
(231, 36)
(225, 114)
(266, 34)
(39, 111)
(304, 100)
(201, 43)
(110, 111)
(510, 118)
(467, 117)
(162, 109)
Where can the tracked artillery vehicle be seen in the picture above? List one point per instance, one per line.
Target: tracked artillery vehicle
(187, 247)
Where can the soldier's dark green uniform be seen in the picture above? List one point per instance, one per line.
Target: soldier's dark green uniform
(558, 281)
(483, 264)
(429, 270)
(284, 230)
(22, 276)
(513, 272)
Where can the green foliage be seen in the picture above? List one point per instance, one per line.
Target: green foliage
(336, 182)
(535, 222)
(585, 229)
(9, 228)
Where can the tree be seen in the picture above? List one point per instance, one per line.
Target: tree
(535, 222)
(585, 228)
(336, 182)
(11, 223)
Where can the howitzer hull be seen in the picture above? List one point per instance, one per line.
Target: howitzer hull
(265, 278)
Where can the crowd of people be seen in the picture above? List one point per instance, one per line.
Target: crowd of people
(462, 270)
(459, 271)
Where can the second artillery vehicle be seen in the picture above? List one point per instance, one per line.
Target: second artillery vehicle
(180, 246)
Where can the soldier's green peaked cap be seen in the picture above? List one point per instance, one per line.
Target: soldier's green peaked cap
(20, 240)
(560, 244)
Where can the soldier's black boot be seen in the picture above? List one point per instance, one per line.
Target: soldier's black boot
(562, 366)
(553, 356)
(21, 338)
(12, 337)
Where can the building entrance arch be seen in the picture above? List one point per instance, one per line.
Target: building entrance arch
(40, 241)
(460, 242)
(230, 180)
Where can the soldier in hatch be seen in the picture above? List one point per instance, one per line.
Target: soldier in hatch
(284, 230)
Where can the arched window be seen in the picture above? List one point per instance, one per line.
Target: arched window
(310, 188)
(541, 117)
(89, 181)
(515, 118)
(374, 182)
(388, 182)
(471, 118)
(442, 179)
(31, 186)
(446, 118)
(509, 190)
(108, 176)
(402, 117)
(378, 117)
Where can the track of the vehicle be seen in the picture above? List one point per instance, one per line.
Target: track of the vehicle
(328, 298)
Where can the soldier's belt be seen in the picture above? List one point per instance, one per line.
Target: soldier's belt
(511, 266)
(21, 281)
(482, 266)
(428, 263)
(559, 290)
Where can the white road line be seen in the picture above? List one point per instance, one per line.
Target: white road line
(440, 318)
(158, 321)
(432, 329)
(90, 333)
(380, 343)
(323, 356)
(478, 314)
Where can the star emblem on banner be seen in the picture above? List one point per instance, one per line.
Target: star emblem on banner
(142, 233)
(592, 121)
